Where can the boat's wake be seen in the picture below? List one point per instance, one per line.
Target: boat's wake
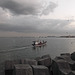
(16, 49)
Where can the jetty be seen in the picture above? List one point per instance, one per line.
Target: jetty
(44, 65)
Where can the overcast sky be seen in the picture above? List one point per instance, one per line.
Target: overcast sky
(37, 17)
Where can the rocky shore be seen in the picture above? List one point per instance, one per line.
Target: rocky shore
(45, 65)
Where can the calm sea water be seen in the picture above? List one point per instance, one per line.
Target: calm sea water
(21, 48)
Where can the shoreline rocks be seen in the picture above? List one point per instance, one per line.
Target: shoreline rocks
(44, 65)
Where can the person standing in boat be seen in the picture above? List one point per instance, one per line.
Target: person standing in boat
(37, 42)
(40, 42)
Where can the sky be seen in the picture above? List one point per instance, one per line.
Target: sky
(28, 18)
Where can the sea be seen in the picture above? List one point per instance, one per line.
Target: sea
(13, 48)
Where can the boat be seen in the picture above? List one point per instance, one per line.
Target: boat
(38, 44)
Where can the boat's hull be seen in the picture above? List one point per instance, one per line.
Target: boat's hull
(40, 44)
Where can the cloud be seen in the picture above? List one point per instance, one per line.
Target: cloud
(27, 7)
(35, 25)
(26, 21)
(49, 8)
(15, 28)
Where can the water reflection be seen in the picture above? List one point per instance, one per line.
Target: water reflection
(38, 47)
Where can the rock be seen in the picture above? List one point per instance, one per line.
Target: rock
(65, 54)
(22, 69)
(73, 56)
(40, 70)
(29, 61)
(70, 61)
(61, 67)
(57, 58)
(37, 58)
(9, 64)
(45, 56)
(45, 61)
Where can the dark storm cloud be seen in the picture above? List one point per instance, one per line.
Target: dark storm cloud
(27, 8)
(15, 28)
(19, 8)
(37, 26)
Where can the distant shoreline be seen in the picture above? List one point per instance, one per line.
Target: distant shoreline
(62, 36)
(43, 37)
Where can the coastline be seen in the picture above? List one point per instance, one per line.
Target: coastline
(45, 62)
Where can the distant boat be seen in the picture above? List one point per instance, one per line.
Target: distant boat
(37, 44)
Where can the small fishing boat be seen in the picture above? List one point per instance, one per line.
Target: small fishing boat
(37, 44)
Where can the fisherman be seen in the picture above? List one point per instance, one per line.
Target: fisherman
(40, 42)
(37, 42)
(33, 42)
